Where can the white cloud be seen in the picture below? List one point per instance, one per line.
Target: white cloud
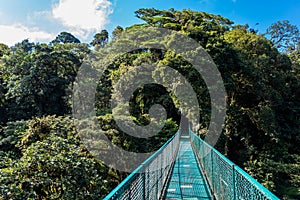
(10, 34)
(82, 17)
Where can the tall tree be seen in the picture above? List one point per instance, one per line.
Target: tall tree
(100, 39)
(117, 31)
(285, 36)
(65, 37)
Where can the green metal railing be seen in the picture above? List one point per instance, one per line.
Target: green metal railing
(149, 180)
(226, 180)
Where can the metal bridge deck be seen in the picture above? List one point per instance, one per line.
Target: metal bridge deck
(187, 180)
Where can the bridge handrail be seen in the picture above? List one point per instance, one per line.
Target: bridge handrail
(148, 180)
(227, 181)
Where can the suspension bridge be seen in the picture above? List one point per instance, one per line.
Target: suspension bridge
(186, 167)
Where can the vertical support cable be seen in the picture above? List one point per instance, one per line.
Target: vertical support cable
(157, 177)
(252, 194)
(233, 182)
(212, 171)
(129, 196)
(148, 182)
(144, 185)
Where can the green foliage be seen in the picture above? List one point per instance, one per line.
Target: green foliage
(131, 143)
(183, 20)
(52, 163)
(260, 99)
(38, 79)
(3, 49)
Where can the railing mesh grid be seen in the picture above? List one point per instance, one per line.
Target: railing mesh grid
(148, 180)
(226, 180)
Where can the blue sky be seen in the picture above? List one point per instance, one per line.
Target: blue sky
(42, 20)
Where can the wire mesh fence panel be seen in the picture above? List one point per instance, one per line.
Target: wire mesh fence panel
(222, 177)
(136, 186)
(149, 179)
(227, 181)
(153, 178)
(245, 189)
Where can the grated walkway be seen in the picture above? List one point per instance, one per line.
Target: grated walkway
(187, 181)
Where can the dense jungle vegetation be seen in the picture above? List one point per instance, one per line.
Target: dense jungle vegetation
(42, 156)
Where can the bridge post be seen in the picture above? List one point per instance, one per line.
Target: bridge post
(233, 182)
(148, 183)
(158, 172)
(212, 170)
(144, 185)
